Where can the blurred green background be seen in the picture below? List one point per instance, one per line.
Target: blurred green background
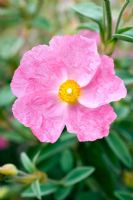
(24, 24)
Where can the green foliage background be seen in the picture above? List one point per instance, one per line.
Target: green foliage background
(101, 170)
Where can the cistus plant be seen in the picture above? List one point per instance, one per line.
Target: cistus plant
(66, 86)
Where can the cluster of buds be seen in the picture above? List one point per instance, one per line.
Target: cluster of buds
(20, 178)
(10, 170)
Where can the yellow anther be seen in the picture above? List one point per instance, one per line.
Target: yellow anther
(69, 91)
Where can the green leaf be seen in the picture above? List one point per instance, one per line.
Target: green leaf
(41, 22)
(89, 26)
(27, 163)
(46, 189)
(48, 151)
(36, 189)
(9, 46)
(90, 10)
(77, 175)
(126, 76)
(6, 96)
(122, 111)
(12, 136)
(125, 36)
(66, 160)
(119, 148)
(124, 195)
(9, 17)
(62, 193)
(88, 196)
(124, 29)
(36, 156)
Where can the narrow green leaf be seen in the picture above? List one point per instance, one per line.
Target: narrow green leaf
(77, 175)
(122, 30)
(119, 148)
(66, 160)
(36, 189)
(27, 163)
(46, 189)
(35, 158)
(125, 36)
(124, 195)
(6, 96)
(62, 193)
(90, 10)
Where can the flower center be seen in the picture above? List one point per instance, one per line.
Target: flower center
(69, 91)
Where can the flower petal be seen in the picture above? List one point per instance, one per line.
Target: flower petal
(50, 129)
(42, 113)
(91, 35)
(80, 56)
(90, 124)
(105, 86)
(39, 69)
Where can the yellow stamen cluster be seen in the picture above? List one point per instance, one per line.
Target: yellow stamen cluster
(69, 91)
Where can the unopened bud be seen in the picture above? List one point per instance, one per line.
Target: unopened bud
(8, 170)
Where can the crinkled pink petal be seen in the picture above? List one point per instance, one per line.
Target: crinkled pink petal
(105, 86)
(91, 35)
(39, 70)
(79, 55)
(42, 113)
(90, 124)
(50, 129)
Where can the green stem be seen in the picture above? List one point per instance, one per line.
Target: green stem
(102, 32)
(109, 19)
(121, 13)
(104, 14)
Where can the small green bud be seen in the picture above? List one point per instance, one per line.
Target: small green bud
(8, 170)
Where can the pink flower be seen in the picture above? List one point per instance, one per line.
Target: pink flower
(66, 83)
(3, 143)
